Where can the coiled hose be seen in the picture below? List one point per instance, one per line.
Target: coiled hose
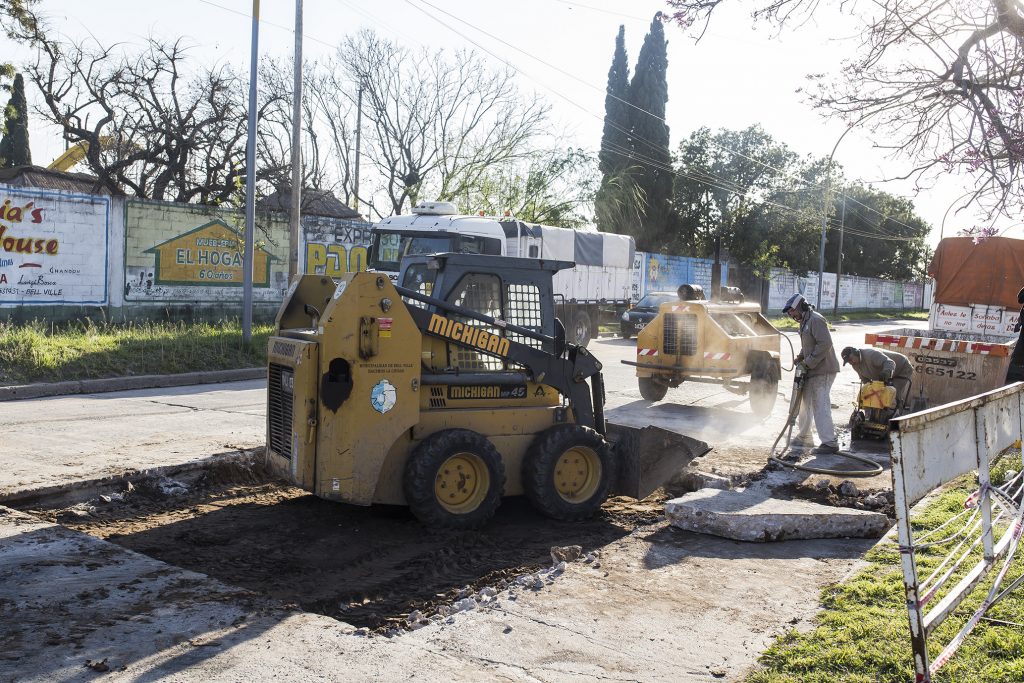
(787, 431)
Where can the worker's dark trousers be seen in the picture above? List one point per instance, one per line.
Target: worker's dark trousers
(902, 386)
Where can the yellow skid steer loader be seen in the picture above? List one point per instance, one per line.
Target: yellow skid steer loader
(449, 392)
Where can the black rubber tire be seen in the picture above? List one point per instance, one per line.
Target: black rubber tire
(626, 332)
(581, 328)
(539, 471)
(423, 466)
(762, 394)
(650, 389)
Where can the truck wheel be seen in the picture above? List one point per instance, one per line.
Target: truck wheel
(581, 328)
(568, 471)
(762, 393)
(650, 389)
(454, 479)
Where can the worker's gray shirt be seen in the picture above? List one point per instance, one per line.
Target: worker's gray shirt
(878, 365)
(816, 345)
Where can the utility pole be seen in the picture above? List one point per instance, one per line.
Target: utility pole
(250, 182)
(839, 259)
(295, 217)
(824, 209)
(359, 127)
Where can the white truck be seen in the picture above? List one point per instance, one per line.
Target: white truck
(596, 290)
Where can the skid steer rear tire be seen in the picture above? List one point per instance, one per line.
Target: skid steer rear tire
(568, 471)
(650, 389)
(454, 479)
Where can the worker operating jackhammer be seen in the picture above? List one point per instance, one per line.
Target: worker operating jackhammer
(820, 367)
(882, 366)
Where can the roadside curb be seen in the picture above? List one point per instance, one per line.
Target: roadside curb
(95, 386)
(74, 491)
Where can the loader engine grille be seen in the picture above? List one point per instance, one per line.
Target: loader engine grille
(680, 334)
(280, 388)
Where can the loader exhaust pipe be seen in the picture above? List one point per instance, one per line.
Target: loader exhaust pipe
(648, 457)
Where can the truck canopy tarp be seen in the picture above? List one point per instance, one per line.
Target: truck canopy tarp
(991, 272)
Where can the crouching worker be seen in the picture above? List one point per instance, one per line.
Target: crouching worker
(820, 366)
(883, 366)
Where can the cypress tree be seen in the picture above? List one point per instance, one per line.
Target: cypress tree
(14, 149)
(648, 92)
(615, 139)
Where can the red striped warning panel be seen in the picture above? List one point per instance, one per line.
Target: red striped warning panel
(950, 345)
(716, 356)
(646, 352)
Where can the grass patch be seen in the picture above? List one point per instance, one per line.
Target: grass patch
(784, 322)
(41, 352)
(863, 636)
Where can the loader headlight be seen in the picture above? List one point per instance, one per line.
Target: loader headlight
(625, 317)
(288, 382)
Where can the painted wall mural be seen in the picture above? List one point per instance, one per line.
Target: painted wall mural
(176, 252)
(53, 248)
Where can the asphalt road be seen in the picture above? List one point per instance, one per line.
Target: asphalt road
(51, 441)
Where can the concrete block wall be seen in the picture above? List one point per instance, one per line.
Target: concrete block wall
(855, 293)
(665, 272)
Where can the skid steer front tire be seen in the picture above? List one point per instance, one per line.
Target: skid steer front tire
(454, 479)
(568, 471)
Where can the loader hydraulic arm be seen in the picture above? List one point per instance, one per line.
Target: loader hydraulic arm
(567, 372)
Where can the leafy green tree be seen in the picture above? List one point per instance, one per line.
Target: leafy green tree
(648, 93)
(616, 148)
(882, 235)
(741, 186)
(553, 186)
(766, 203)
(14, 148)
(615, 142)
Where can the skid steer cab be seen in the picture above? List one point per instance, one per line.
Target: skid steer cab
(725, 342)
(448, 392)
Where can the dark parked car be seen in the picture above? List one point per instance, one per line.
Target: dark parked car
(645, 311)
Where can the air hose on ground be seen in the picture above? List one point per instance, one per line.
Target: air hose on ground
(787, 431)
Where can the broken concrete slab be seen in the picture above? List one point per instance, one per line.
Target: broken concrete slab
(753, 516)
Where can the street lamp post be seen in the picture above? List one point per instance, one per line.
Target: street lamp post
(250, 182)
(295, 217)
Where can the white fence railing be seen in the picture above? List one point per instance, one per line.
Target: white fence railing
(932, 448)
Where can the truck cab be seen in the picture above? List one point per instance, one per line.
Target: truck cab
(433, 228)
(594, 289)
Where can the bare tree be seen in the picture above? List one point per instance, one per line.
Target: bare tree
(275, 129)
(938, 82)
(436, 123)
(153, 128)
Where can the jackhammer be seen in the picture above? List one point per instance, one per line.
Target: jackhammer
(799, 380)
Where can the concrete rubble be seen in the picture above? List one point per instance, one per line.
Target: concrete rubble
(747, 516)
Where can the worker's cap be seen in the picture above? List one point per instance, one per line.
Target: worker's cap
(794, 301)
(847, 352)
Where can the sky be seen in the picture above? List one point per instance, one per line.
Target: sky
(737, 75)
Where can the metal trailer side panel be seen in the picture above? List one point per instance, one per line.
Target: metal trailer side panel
(948, 366)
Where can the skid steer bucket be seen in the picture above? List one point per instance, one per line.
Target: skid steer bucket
(649, 456)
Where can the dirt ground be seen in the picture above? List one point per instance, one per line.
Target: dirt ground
(370, 567)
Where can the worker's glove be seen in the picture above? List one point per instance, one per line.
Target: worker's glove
(802, 366)
(799, 358)
(888, 382)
